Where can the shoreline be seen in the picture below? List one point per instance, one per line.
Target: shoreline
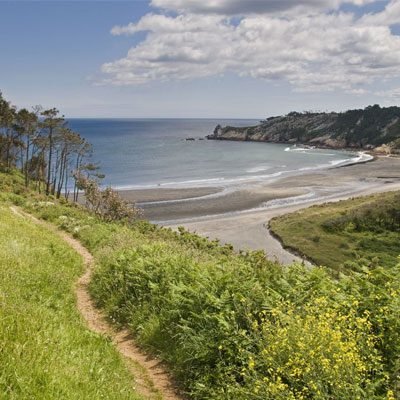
(166, 205)
(158, 195)
(246, 188)
(250, 231)
(240, 217)
(310, 144)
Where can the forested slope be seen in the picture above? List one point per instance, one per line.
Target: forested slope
(369, 128)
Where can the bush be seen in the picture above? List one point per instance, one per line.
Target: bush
(237, 326)
(241, 327)
(107, 203)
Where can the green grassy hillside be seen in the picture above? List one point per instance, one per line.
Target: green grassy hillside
(237, 326)
(46, 352)
(346, 234)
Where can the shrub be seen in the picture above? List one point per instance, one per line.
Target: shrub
(107, 203)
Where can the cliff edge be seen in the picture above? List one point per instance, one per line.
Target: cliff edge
(372, 128)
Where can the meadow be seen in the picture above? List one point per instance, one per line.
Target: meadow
(46, 351)
(346, 234)
(237, 326)
(228, 325)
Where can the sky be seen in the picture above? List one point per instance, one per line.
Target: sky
(199, 58)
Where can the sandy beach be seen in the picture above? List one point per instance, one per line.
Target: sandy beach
(240, 216)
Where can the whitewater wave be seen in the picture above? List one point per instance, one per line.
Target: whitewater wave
(361, 158)
(302, 149)
(228, 182)
(309, 150)
(260, 168)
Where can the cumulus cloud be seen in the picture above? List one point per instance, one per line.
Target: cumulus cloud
(245, 7)
(391, 94)
(312, 51)
(389, 16)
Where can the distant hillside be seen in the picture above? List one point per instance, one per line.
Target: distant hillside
(372, 128)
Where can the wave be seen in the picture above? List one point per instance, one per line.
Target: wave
(302, 149)
(178, 184)
(261, 168)
(229, 182)
(361, 158)
(309, 150)
(220, 182)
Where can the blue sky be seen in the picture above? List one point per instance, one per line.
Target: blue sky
(187, 59)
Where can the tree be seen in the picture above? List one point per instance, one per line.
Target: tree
(8, 138)
(70, 145)
(51, 124)
(26, 124)
(49, 153)
(83, 151)
(106, 203)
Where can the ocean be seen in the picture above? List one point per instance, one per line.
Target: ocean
(154, 153)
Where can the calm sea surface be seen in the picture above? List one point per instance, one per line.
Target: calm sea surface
(140, 153)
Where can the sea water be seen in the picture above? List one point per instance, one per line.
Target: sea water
(154, 153)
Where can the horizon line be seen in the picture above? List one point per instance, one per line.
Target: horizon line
(192, 118)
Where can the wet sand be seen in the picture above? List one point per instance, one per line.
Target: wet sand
(152, 195)
(239, 200)
(239, 217)
(181, 204)
(249, 231)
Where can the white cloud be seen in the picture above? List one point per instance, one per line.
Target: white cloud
(314, 52)
(163, 24)
(389, 16)
(391, 94)
(245, 7)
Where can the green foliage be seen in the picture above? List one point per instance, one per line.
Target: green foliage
(240, 327)
(106, 203)
(363, 228)
(46, 352)
(361, 127)
(376, 216)
(370, 127)
(12, 182)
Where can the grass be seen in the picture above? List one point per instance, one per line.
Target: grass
(237, 326)
(305, 232)
(46, 352)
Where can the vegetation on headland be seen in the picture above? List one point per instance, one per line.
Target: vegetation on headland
(237, 326)
(345, 235)
(373, 128)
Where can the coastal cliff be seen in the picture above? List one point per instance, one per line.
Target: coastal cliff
(373, 128)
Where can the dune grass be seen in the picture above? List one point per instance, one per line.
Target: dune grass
(46, 352)
(327, 234)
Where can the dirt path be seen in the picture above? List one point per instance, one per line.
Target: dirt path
(150, 378)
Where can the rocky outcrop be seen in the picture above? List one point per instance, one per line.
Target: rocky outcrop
(367, 129)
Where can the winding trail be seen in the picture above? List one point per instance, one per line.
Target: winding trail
(151, 380)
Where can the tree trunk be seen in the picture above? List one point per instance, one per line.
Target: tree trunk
(49, 161)
(26, 166)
